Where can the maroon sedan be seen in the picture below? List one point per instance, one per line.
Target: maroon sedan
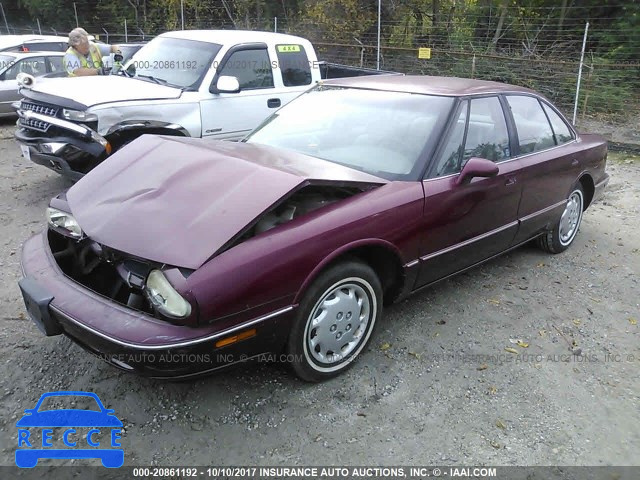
(176, 256)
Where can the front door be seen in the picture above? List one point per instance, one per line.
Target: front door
(467, 223)
(233, 115)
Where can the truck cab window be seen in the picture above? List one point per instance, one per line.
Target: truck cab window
(294, 65)
(252, 68)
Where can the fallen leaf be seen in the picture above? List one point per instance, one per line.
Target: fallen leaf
(414, 354)
(361, 414)
(511, 350)
(385, 346)
(577, 322)
(633, 321)
(492, 390)
(542, 333)
(515, 341)
(500, 424)
(523, 344)
(495, 444)
(494, 301)
(484, 366)
(435, 335)
(21, 316)
(540, 265)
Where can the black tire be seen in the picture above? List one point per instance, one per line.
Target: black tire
(558, 239)
(350, 286)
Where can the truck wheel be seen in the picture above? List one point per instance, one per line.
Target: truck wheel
(335, 320)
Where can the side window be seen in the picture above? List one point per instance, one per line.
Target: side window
(55, 64)
(33, 66)
(487, 135)
(532, 125)
(252, 68)
(45, 47)
(449, 160)
(294, 65)
(561, 131)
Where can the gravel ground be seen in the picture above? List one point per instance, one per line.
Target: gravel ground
(436, 386)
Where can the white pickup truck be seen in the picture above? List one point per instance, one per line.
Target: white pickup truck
(210, 83)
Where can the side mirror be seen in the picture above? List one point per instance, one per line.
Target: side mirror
(477, 167)
(227, 84)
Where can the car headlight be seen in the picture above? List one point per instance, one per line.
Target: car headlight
(79, 116)
(164, 297)
(66, 221)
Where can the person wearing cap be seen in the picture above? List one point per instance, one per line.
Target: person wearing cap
(83, 57)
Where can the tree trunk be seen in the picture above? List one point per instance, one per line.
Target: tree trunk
(496, 36)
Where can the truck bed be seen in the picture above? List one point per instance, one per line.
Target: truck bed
(330, 70)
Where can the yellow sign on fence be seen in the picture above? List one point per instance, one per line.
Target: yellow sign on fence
(424, 53)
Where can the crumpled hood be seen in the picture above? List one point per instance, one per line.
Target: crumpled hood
(91, 91)
(178, 200)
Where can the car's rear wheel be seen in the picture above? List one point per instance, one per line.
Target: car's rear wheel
(335, 320)
(563, 234)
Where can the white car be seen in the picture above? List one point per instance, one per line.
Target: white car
(33, 43)
(36, 64)
(198, 83)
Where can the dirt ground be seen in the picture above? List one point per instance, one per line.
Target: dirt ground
(436, 386)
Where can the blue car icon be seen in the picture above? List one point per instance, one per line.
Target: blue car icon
(71, 418)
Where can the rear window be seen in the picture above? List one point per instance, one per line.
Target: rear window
(294, 65)
(45, 47)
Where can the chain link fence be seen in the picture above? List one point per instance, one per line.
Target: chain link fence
(529, 48)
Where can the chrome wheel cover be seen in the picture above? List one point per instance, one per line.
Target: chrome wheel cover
(340, 324)
(570, 220)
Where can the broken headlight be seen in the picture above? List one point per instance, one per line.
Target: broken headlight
(164, 297)
(64, 221)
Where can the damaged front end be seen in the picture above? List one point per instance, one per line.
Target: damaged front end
(138, 284)
(309, 197)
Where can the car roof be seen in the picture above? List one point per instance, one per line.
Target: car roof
(428, 85)
(11, 40)
(33, 53)
(232, 36)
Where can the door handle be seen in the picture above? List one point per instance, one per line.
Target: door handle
(510, 181)
(273, 103)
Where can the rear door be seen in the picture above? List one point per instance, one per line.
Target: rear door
(465, 224)
(549, 164)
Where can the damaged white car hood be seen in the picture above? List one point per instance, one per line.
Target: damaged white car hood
(96, 90)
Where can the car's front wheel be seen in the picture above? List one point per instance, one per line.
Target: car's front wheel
(335, 320)
(563, 234)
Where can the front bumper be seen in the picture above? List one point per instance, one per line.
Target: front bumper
(129, 339)
(67, 148)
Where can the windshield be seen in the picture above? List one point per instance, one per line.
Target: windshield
(173, 61)
(379, 132)
(69, 402)
(6, 61)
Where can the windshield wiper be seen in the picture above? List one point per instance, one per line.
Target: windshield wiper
(159, 81)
